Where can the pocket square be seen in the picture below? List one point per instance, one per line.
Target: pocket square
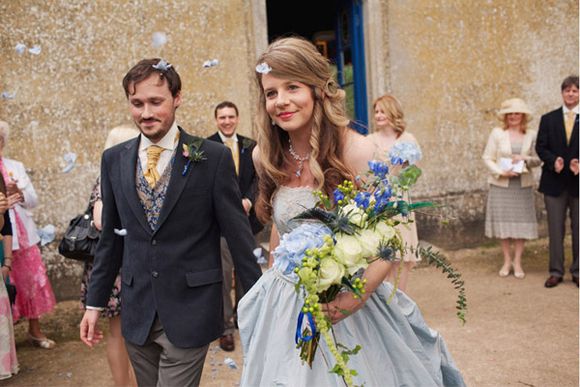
(121, 232)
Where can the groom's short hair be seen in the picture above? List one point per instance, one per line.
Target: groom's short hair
(144, 69)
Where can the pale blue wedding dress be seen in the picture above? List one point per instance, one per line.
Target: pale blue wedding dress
(398, 348)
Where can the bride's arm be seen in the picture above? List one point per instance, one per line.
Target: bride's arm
(358, 151)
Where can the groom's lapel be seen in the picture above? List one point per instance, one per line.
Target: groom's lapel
(129, 159)
(177, 180)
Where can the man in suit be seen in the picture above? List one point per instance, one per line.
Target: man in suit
(557, 146)
(226, 115)
(167, 198)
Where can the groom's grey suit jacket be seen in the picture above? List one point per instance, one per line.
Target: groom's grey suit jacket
(174, 271)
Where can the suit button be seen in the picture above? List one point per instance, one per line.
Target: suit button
(155, 274)
(154, 242)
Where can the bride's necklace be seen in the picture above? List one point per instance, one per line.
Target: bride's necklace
(298, 158)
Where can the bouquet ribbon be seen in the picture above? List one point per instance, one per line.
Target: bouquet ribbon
(301, 337)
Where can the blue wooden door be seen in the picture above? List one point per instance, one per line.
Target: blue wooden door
(350, 60)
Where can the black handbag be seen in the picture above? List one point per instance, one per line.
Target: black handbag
(80, 238)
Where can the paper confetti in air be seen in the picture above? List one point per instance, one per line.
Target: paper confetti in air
(259, 256)
(121, 232)
(46, 234)
(20, 48)
(35, 50)
(211, 63)
(69, 159)
(159, 39)
(7, 95)
(230, 363)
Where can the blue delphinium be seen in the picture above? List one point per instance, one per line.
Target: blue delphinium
(289, 253)
(405, 151)
(379, 168)
(338, 195)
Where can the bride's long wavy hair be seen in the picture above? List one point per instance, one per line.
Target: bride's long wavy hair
(297, 59)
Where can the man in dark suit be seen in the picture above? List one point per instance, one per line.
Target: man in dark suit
(167, 198)
(226, 115)
(557, 146)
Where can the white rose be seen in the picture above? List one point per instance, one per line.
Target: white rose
(331, 272)
(370, 240)
(349, 252)
(387, 232)
(355, 214)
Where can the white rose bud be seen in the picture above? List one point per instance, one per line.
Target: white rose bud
(370, 240)
(331, 272)
(355, 214)
(386, 231)
(349, 252)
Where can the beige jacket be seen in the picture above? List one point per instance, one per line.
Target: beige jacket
(499, 145)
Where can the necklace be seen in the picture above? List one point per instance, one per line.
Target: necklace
(298, 158)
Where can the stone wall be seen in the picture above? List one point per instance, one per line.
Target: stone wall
(452, 63)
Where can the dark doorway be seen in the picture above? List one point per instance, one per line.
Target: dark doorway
(342, 18)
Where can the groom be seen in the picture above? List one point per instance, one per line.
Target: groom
(164, 210)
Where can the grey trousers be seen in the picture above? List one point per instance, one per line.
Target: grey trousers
(557, 207)
(159, 363)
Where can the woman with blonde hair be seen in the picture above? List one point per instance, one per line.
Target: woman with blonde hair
(304, 145)
(390, 125)
(117, 356)
(509, 155)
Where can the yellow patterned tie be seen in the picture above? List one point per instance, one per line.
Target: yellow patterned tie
(570, 117)
(151, 174)
(230, 143)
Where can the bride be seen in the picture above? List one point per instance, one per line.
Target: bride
(304, 145)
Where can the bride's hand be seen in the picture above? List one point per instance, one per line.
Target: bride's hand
(343, 306)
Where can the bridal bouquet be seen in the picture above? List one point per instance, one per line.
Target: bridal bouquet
(337, 239)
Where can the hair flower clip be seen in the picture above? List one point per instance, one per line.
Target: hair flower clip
(263, 68)
(162, 66)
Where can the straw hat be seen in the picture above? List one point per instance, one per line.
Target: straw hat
(514, 105)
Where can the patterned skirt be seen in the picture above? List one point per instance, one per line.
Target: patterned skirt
(511, 212)
(113, 307)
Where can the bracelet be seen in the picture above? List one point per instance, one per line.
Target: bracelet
(8, 266)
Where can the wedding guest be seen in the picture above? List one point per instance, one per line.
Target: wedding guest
(121, 369)
(34, 296)
(557, 146)
(304, 145)
(167, 198)
(509, 155)
(390, 125)
(227, 118)
(8, 360)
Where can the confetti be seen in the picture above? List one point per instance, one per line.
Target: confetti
(211, 63)
(162, 65)
(230, 363)
(35, 50)
(159, 39)
(20, 48)
(7, 95)
(69, 159)
(46, 234)
(121, 232)
(263, 68)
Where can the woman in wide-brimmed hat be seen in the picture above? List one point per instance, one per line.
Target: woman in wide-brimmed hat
(510, 155)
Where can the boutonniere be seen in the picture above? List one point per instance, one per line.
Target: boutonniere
(193, 153)
(247, 144)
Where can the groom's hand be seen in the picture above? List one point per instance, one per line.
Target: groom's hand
(90, 333)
